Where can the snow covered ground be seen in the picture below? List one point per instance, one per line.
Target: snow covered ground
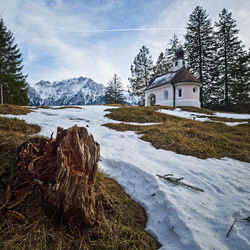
(205, 117)
(180, 218)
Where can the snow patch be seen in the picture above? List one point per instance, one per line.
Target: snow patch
(180, 218)
(233, 116)
(205, 117)
(165, 78)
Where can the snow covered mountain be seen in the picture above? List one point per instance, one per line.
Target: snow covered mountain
(75, 91)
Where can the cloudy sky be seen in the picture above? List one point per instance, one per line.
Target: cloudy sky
(61, 39)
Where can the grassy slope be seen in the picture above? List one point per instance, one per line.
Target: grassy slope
(200, 139)
(122, 228)
(14, 110)
(13, 132)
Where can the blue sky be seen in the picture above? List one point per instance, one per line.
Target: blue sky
(61, 39)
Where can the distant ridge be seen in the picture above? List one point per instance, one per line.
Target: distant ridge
(75, 91)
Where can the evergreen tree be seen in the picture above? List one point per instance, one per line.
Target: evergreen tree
(11, 77)
(200, 48)
(141, 71)
(231, 61)
(113, 93)
(164, 62)
(240, 74)
(161, 67)
(174, 43)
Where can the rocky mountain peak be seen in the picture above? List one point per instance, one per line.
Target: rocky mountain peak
(75, 91)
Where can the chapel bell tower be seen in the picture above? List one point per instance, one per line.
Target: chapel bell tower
(179, 59)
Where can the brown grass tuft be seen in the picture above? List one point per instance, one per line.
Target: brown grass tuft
(122, 228)
(137, 114)
(224, 119)
(13, 132)
(14, 110)
(115, 105)
(197, 110)
(62, 107)
(67, 107)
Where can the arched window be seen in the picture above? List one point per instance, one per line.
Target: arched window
(179, 92)
(176, 63)
(195, 89)
(151, 99)
(166, 95)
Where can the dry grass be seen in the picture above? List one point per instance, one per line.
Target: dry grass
(14, 110)
(68, 107)
(210, 112)
(122, 227)
(202, 140)
(198, 110)
(137, 114)
(115, 105)
(13, 132)
(62, 107)
(224, 119)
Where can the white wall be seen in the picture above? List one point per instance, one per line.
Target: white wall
(160, 96)
(180, 63)
(187, 102)
(188, 98)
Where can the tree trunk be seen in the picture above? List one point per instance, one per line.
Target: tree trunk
(226, 76)
(200, 66)
(65, 170)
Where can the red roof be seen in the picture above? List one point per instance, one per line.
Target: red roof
(181, 75)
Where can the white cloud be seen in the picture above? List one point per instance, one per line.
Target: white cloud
(55, 39)
(177, 14)
(40, 28)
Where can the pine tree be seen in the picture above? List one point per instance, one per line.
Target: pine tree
(11, 78)
(174, 44)
(161, 67)
(113, 93)
(200, 48)
(240, 73)
(141, 71)
(164, 62)
(231, 60)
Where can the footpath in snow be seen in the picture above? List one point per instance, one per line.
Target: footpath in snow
(179, 218)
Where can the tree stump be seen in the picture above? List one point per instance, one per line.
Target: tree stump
(65, 170)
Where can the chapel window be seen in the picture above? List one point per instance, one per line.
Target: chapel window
(179, 92)
(166, 95)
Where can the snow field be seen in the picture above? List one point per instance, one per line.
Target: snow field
(179, 218)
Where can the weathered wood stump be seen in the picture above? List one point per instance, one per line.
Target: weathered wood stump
(65, 170)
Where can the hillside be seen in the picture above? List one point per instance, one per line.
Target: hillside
(27, 224)
(191, 176)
